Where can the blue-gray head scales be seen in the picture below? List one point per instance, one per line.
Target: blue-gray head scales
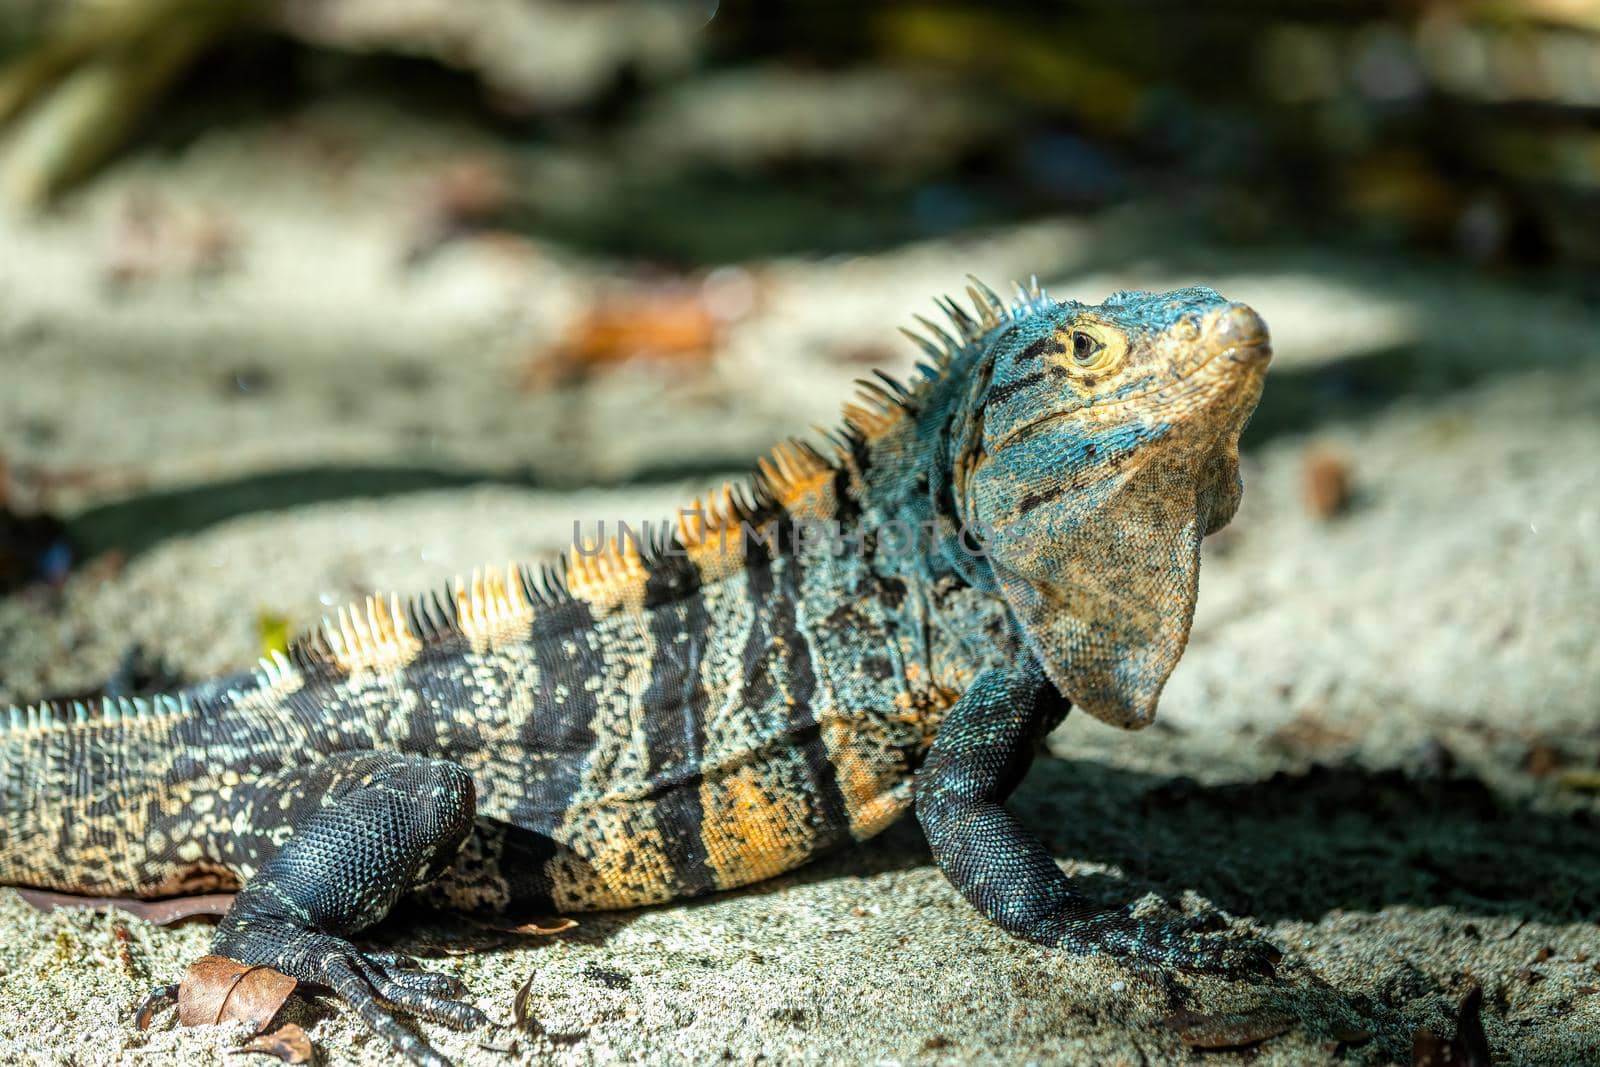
(1100, 444)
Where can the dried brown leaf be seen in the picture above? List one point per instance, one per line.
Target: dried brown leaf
(1469, 1048)
(538, 926)
(527, 1023)
(1229, 1029)
(542, 927)
(1543, 760)
(667, 325)
(519, 1009)
(288, 1043)
(868, 355)
(1326, 483)
(161, 912)
(216, 989)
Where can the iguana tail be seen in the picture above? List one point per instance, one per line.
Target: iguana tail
(82, 788)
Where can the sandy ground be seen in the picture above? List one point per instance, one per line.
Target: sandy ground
(1366, 753)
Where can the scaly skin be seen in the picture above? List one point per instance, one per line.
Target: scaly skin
(896, 623)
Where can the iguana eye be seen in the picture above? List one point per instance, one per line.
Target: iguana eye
(1084, 348)
(1096, 349)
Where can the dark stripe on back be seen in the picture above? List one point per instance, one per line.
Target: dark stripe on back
(675, 710)
(438, 676)
(775, 593)
(559, 738)
(846, 508)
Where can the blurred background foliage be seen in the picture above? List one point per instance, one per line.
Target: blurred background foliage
(699, 132)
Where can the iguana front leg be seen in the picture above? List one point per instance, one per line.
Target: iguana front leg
(981, 753)
(367, 828)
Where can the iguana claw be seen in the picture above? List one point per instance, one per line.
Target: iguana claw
(373, 984)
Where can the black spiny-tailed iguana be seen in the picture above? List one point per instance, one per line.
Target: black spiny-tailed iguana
(891, 622)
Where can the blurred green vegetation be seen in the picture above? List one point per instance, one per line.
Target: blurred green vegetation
(697, 132)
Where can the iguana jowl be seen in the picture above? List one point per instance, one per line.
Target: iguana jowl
(721, 703)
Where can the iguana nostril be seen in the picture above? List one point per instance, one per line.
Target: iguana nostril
(1238, 325)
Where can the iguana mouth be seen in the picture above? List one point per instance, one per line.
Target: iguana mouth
(1257, 351)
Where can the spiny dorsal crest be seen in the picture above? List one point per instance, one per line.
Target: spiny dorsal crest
(942, 347)
(794, 470)
(609, 575)
(106, 711)
(494, 604)
(707, 519)
(491, 605)
(374, 634)
(795, 476)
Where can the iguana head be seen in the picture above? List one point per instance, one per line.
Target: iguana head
(1102, 447)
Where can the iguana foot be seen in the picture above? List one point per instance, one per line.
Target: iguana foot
(982, 750)
(371, 983)
(369, 827)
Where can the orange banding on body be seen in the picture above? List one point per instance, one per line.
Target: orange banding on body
(754, 825)
(616, 860)
(610, 858)
(874, 795)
